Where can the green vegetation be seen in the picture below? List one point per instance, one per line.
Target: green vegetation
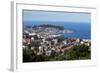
(76, 53)
(49, 25)
(30, 56)
(35, 44)
(36, 37)
(79, 52)
(61, 38)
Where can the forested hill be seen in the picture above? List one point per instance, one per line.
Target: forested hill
(49, 26)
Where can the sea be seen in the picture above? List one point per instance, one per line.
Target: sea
(80, 29)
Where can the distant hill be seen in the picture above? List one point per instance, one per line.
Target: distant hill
(50, 26)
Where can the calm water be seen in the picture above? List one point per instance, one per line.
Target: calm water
(80, 30)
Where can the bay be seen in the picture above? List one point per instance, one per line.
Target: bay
(80, 30)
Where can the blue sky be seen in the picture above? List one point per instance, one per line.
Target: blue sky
(47, 16)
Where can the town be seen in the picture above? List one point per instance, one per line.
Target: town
(47, 40)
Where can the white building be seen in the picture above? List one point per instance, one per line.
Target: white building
(31, 34)
(78, 40)
(55, 41)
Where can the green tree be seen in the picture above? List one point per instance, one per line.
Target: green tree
(79, 52)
